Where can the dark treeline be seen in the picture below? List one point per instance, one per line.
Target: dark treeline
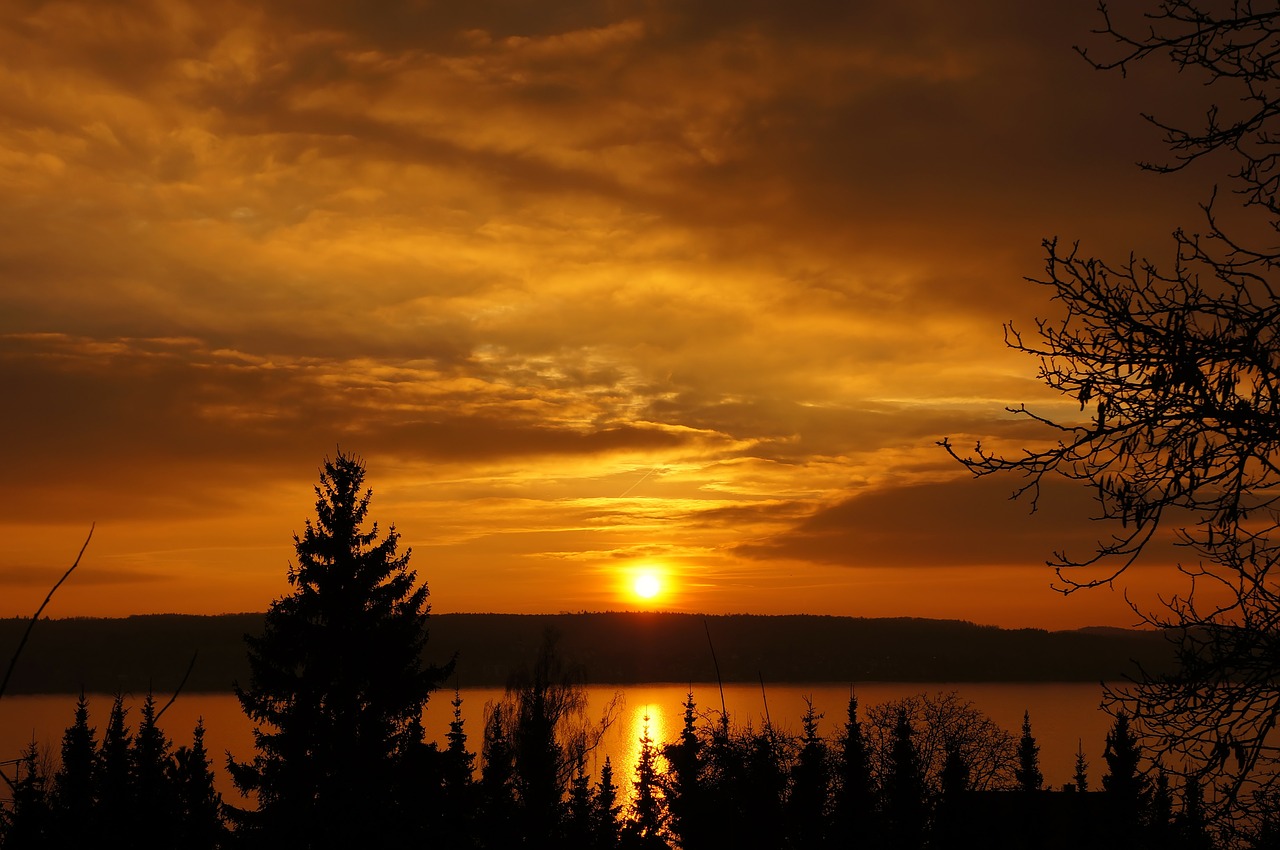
(136, 654)
(928, 771)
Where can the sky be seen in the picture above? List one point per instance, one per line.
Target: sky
(594, 287)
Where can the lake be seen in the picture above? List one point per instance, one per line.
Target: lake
(1062, 715)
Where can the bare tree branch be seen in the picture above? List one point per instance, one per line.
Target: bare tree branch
(13, 660)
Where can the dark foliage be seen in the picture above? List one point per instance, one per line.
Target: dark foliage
(646, 828)
(1080, 778)
(684, 784)
(810, 786)
(199, 823)
(1028, 772)
(1128, 790)
(73, 798)
(29, 820)
(854, 808)
(904, 789)
(132, 790)
(338, 685)
(738, 786)
(536, 738)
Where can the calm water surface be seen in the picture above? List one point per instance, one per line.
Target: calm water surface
(1062, 715)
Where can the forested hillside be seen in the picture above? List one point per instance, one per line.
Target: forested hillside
(134, 654)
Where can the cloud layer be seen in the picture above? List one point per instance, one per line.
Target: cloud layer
(587, 283)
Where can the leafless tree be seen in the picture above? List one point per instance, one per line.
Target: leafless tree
(940, 722)
(1177, 373)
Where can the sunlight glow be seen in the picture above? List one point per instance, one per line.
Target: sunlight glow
(647, 719)
(647, 585)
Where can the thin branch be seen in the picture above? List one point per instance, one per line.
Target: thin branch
(181, 685)
(13, 660)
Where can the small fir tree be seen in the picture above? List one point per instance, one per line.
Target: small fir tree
(113, 775)
(460, 762)
(1159, 820)
(1028, 772)
(644, 828)
(579, 827)
(683, 784)
(153, 793)
(810, 785)
(73, 784)
(460, 796)
(1081, 776)
(954, 780)
(606, 810)
(1191, 824)
(29, 821)
(904, 792)
(762, 790)
(855, 810)
(1124, 784)
(497, 780)
(200, 824)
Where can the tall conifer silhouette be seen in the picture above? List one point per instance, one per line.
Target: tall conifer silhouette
(73, 795)
(337, 682)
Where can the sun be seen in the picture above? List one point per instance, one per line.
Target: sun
(647, 585)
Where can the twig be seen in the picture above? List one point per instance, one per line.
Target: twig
(181, 684)
(36, 616)
(765, 699)
(724, 711)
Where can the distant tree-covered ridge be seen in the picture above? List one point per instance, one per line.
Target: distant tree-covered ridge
(133, 654)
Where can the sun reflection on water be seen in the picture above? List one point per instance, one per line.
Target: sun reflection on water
(637, 717)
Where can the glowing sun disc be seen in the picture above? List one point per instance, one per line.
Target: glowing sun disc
(647, 585)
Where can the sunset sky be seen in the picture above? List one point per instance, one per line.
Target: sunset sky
(593, 286)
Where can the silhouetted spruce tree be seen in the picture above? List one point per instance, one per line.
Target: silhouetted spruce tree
(1124, 784)
(200, 823)
(113, 777)
(1081, 776)
(762, 792)
(606, 811)
(498, 814)
(1028, 772)
(460, 765)
(419, 778)
(1159, 815)
(1190, 824)
(73, 784)
(155, 797)
(686, 795)
(905, 810)
(644, 828)
(28, 822)
(337, 683)
(460, 796)
(854, 817)
(810, 786)
(949, 826)
(579, 828)
(724, 780)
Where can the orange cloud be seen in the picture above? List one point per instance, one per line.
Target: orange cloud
(583, 282)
